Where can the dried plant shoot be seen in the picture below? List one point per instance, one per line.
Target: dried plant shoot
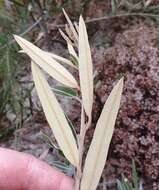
(88, 178)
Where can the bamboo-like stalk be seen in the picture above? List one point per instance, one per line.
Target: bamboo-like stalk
(83, 129)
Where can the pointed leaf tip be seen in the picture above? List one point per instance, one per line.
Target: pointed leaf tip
(97, 153)
(73, 30)
(55, 116)
(51, 66)
(85, 68)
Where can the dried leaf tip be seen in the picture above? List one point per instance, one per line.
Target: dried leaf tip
(73, 30)
(49, 65)
(85, 68)
(97, 153)
(120, 84)
(55, 116)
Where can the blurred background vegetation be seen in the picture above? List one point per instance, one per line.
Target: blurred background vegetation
(18, 17)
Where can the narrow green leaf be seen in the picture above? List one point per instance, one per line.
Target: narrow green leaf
(113, 5)
(120, 185)
(135, 176)
(64, 91)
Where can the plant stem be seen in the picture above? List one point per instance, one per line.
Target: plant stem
(81, 137)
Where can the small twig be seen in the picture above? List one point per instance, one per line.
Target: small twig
(23, 33)
(32, 17)
(121, 15)
(55, 26)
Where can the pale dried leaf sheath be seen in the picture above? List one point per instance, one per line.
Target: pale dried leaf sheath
(85, 68)
(71, 25)
(97, 153)
(65, 37)
(61, 59)
(55, 116)
(72, 50)
(48, 64)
